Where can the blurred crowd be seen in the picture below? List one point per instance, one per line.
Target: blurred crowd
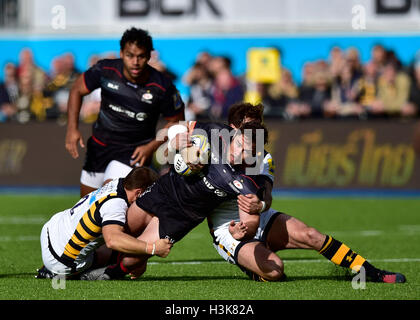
(338, 87)
(30, 93)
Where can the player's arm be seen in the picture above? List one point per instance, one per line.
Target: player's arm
(249, 189)
(144, 152)
(73, 135)
(251, 222)
(117, 240)
(178, 137)
(172, 108)
(252, 204)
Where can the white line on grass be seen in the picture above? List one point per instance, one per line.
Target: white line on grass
(23, 220)
(20, 238)
(285, 261)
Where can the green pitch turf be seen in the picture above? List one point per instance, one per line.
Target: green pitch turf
(385, 231)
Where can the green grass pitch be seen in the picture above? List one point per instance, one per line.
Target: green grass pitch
(385, 231)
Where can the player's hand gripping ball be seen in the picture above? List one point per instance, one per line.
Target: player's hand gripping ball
(198, 153)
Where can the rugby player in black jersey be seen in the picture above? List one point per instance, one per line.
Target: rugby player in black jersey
(175, 204)
(133, 96)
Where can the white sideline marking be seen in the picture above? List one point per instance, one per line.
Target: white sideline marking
(23, 220)
(356, 233)
(285, 261)
(20, 238)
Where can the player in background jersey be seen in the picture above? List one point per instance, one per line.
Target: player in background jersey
(277, 230)
(133, 96)
(72, 241)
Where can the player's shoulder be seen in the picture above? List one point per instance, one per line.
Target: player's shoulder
(112, 190)
(110, 62)
(159, 80)
(209, 126)
(113, 196)
(112, 66)
(228, 178)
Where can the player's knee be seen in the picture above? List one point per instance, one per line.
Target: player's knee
(276, 271)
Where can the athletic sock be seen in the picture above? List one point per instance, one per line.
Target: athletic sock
(343, 256)
(116, 271)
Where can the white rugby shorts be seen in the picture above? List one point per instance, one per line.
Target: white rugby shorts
(115, 169)
(227, 246)
(83, 261)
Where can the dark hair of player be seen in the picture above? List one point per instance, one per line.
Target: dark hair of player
(239, 111)
(139, 37)
(254, 127)
(140, 177)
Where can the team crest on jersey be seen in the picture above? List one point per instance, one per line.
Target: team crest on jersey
(238, 184)
(177, 100)
(147, 97)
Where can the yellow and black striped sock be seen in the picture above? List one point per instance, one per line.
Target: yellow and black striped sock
(343, 256)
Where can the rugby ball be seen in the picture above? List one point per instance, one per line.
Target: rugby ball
(199, 152)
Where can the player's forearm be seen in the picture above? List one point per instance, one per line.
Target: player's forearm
(163, 134)
(125, 243)
(73, 109)
(77, 92)
(268, 198)
(252, 222)
(251, 231)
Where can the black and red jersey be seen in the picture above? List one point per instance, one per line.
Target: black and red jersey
(129, 111)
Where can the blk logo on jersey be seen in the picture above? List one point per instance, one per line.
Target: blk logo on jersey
(113, 86)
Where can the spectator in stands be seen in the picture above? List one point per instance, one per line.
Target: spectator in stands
(219, 63)
(308, 77)
(337, 61)
(368, 85)
(203, 59)
(227, 91)
(159, 65)
(58, 88)
(27, 67)
(32, 80)
(412, 107)
(393, 91)
(314, 93)
(344, 95)
(378, 58)
(201, 93)
(353, 61)
(8, 93)
(280, 94)
(11, 82)
(300, 108)
(391, 57)
(7, 110)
